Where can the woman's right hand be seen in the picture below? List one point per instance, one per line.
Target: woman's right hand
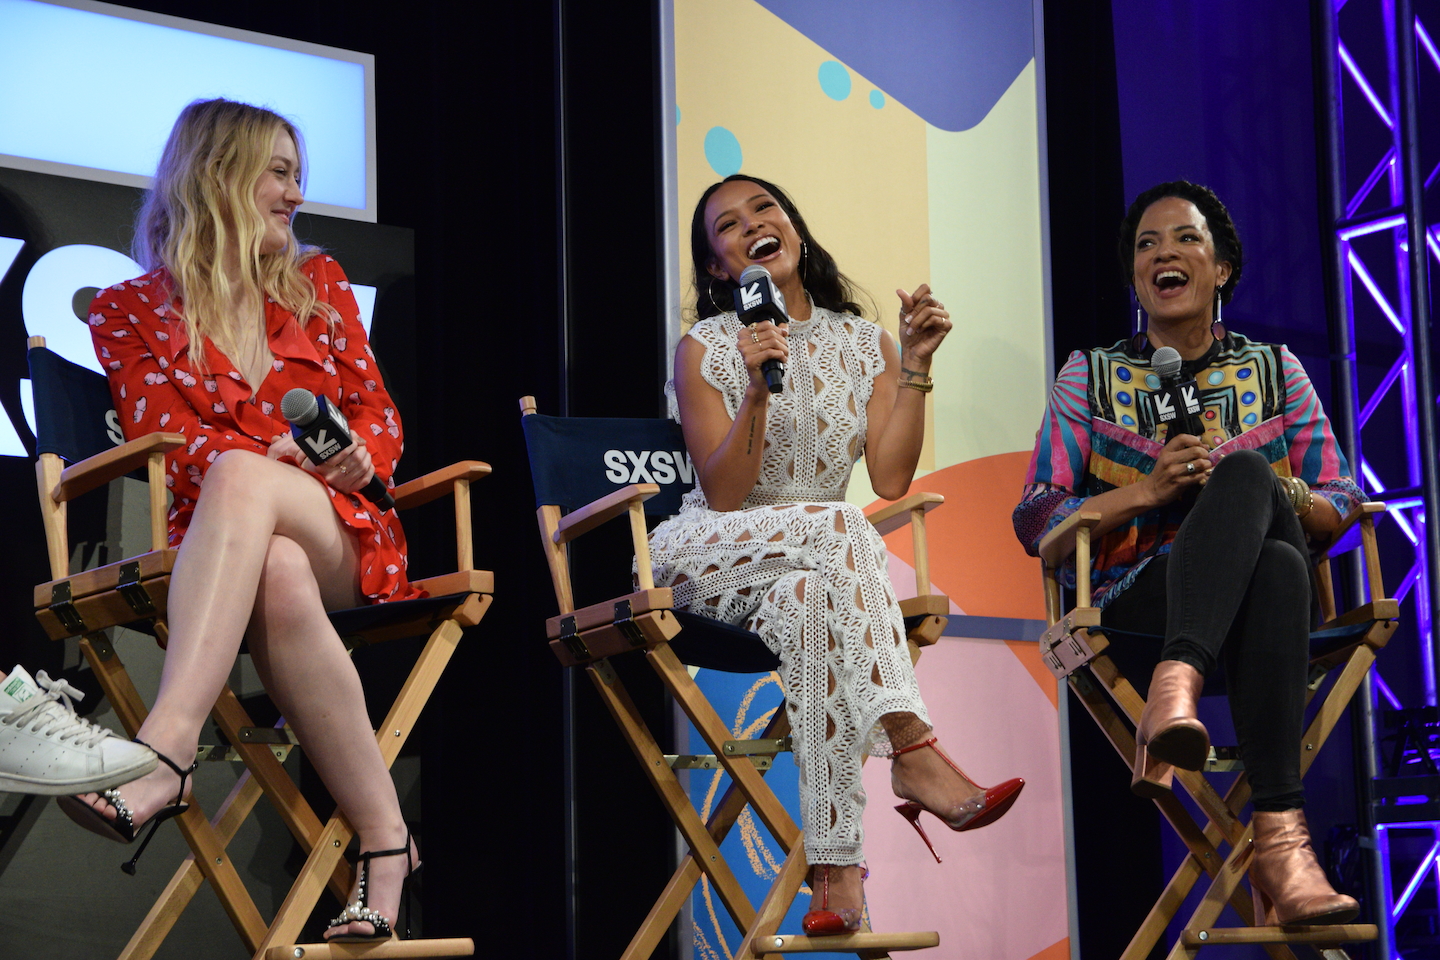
(761, 342)
(1183, 464)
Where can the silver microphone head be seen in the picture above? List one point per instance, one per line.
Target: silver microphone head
(754, 272)
(1166, 362)
(299, 406)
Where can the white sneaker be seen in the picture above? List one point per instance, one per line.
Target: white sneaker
(46, 749)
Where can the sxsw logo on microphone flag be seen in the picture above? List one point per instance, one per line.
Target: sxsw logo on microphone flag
(751, 298)
(322, 445)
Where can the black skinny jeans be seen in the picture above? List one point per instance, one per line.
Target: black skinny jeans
(1237, 582)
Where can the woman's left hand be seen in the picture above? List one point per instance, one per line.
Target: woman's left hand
(347, 471)
(924, 323)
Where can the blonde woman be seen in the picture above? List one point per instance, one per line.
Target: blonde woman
(233, 313)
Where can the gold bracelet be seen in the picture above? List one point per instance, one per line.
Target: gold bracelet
(924, 386)
(1302, 498)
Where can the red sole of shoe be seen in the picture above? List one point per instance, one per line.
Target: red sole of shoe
(998, 800)
(826, 923)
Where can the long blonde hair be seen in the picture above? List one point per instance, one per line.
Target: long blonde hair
(202, 210)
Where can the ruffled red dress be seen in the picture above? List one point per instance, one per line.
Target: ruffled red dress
(144, 348)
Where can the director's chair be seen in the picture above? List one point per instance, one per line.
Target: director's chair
(72, 411)
(1344, 647)
(569, 459)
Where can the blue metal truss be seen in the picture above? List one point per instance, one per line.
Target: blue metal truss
(1377, 56)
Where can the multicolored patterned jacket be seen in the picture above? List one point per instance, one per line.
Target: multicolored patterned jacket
(1100, 432)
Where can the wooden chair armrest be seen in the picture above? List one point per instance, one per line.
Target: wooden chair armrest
(96, 471)
(897, 514)
(1050, 550)
(593, 514)
(436, 484)
(1368, 508)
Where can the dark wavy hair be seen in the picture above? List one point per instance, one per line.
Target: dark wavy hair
(1222, 229)
(827, 286)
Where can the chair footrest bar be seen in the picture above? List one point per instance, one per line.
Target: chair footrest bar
(440, 947)
(847, 943)
(1336, 933)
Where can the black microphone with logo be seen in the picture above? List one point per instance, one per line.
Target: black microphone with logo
(322, 431)
(758, 299)
(1177, 402)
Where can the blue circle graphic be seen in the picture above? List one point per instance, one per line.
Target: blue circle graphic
(1249, 419)
(1122, 374)
(1152, 381)
(835, 80)
(1243, 373)
(1122, 398)
(1247, 398)
(1216, 377)
(877, 99)
(722, 151)
(1128, 420)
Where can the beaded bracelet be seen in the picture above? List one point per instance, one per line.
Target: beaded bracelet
(924, 386)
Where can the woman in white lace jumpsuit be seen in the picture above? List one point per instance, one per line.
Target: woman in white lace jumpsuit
(766, 539)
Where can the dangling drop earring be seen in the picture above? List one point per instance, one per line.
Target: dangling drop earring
(1139, 318)
(804, 259)
(1217, 329)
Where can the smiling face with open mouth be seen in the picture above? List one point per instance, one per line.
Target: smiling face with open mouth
(746, 225)
(1175, 272)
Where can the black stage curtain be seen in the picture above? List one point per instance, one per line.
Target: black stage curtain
(1118, 881)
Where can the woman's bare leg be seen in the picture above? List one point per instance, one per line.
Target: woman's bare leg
(247, 500)
(312, 679)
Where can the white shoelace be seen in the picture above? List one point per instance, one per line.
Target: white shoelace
(52, 714)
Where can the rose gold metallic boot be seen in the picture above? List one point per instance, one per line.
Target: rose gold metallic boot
(1169, 734)
(1290, 886)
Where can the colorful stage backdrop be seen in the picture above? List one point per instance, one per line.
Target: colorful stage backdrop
(910, 137)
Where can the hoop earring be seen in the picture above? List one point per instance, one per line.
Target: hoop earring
(1217, 328)
(710, 292)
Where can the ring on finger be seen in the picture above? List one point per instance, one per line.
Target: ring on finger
(754, 336)
(1190, 467)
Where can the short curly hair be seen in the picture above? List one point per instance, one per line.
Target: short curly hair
(1222, 229)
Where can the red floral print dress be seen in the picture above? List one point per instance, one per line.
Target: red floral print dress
(144, 348)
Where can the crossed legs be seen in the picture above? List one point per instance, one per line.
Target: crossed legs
(264, 558)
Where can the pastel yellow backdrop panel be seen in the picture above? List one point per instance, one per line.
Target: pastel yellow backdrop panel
(988, 268)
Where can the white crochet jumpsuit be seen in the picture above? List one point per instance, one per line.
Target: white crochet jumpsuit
(803, 568)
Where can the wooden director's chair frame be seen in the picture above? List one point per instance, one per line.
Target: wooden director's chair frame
(133, 593)
(644, 620)
(1074, 649)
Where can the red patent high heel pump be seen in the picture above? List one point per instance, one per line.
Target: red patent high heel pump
(978, 812)
(826, 922)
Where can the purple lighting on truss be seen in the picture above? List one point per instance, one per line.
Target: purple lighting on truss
(1416, 880)
(1380, 300)
(1385, 691)
(1427, 43)
(1375, 226)
(1365, 87)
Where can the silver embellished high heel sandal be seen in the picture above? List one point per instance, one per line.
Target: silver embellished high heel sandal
(122, 828)
(358, 910)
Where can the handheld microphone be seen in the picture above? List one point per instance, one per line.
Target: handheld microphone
(758, 299)
(322, 431)
(1177, 403)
